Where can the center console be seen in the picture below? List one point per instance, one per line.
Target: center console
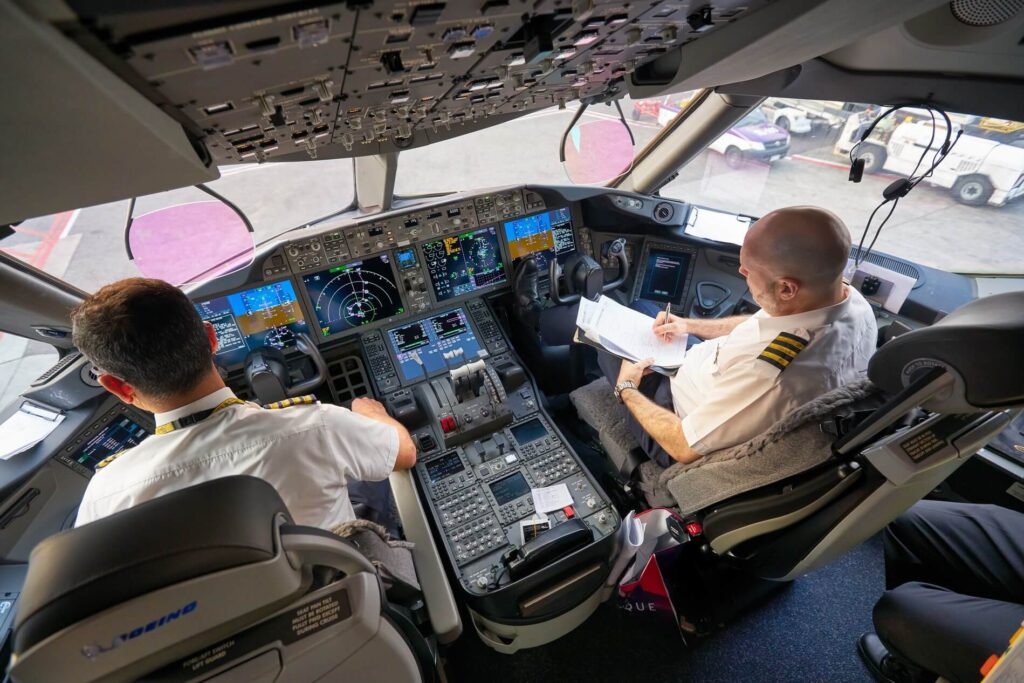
(485, 444)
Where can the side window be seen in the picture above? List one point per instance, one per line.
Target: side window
(22, 361)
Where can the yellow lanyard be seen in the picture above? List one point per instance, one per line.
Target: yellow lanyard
(195, 418)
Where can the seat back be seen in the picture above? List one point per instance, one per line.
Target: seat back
(212, 582)
(885, 465)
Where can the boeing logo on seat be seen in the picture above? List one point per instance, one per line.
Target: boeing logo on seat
(93, 651)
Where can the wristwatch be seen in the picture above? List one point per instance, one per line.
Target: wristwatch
(622, 386)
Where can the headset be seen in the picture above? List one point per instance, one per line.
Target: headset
(900, 187)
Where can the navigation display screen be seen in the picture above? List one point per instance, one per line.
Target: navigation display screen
(665, 275)
(268, 315)
(529, 432)
(545, 235)
(355, 294)
(464, 263)
(428, 340)
(508, 489)
(444, 467)
(119, 435)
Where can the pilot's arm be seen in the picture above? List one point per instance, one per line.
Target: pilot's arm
(375, 410)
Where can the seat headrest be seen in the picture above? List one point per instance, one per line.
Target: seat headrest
(979, 343)
(210, 527)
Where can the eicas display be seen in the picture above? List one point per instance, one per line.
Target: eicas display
(419, 347)
(353, 295)
(462, 264)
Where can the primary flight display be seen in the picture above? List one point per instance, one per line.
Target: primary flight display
(268, 315)
(543, 235)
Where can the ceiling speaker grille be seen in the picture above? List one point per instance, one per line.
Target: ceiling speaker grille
(985, 12)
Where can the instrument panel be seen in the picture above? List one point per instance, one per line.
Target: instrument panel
(354, 276)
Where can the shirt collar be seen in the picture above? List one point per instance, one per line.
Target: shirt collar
(768, 325)
(208, 402)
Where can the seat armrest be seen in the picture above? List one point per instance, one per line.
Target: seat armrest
(437, 593)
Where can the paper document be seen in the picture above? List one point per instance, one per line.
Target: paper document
(25, 428)
(627, 333)
(551, 498)
(631, 536)
(717, 225)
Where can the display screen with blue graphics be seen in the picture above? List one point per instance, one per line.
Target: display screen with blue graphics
(121, 434)
(429, 340)
(268, 315)
(461, 264)
(543, 235)
(355, 294)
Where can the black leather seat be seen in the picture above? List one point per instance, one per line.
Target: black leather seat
(84, 571)
(980, 341)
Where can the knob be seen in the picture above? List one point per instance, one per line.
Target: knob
(481, 582)
(591, 503)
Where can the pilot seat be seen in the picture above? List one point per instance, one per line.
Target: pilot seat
(837, 470)
(214, 583)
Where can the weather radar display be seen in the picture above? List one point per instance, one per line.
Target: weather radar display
(353, 295)
(464, 263)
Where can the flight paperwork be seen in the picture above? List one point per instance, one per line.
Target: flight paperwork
(628, 334)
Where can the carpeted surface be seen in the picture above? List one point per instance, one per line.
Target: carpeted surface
(804, 634)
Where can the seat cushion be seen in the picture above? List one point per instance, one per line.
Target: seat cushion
(199, 530)
(596, 405)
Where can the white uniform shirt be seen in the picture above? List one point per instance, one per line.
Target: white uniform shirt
(732, 388)
(307, 452)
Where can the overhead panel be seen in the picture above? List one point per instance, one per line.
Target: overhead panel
(263, 83)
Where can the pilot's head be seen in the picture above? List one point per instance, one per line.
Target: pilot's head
(147, 341)
(794, 259)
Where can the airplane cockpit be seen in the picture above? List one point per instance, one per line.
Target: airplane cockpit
(204, 144)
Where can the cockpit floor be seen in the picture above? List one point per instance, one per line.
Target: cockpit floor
(805, 634)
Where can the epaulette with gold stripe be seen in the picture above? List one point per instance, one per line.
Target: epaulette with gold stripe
(783, 350)
(308, 399)
(109, 459)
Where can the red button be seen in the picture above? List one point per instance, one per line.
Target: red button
(569, 512)
(694, 529)
(448, 424)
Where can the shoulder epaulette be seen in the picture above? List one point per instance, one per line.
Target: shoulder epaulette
(308, 399)
(783, 350)
(109, 459)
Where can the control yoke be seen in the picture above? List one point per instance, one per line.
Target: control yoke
(266, 372)
(584, 276)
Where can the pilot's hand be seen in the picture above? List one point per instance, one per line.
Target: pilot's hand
(669, 327)
(635, 371)
(369, 407)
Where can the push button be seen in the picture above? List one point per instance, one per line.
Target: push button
(448, 424)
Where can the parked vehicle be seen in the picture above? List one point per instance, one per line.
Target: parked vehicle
(753, 137)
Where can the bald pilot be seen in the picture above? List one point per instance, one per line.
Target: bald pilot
(812, 334)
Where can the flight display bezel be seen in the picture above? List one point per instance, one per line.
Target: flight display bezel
(688, 252)
(376, 324)
(481, 291)
(297, 288)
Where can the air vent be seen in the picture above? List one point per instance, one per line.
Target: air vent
(57, 368)
(663, 212)
(90, 375)
(981, 13)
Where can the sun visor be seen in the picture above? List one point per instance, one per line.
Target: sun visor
(76, 135)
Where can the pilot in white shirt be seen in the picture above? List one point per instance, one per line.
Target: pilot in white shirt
(154, 351)
(812, 334)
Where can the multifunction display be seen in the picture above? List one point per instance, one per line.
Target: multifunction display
(119, 435)
(462, 264)
(528, 432)
(665, 275)
(268, 315)
(354, 294)
(508, 489)
(544, 235)
(420, 347)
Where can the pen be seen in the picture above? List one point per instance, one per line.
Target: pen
(668, 312)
